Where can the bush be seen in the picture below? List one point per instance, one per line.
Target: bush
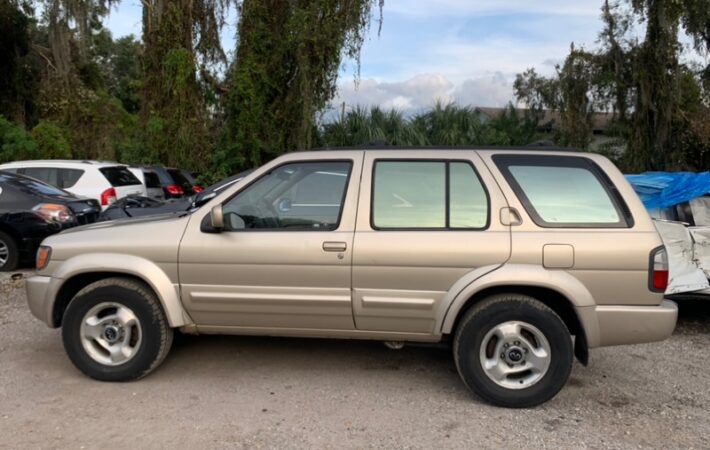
(16, 143)
(52, 141)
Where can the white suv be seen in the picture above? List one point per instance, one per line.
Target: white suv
(104, 181)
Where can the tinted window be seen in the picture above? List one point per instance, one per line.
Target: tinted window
(46, 174)
(68, 177)
(299, 196)
(413, 194)
(25, 184)
(119, 176)
(179, 178)
(562, 191)
(151, 179)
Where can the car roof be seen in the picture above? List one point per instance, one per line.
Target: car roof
(63, 163)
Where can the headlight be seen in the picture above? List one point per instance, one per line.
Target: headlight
(43, 254)
(51, 212)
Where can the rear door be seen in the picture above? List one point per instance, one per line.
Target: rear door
(423, 223)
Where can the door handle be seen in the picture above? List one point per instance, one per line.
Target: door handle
(330, 246)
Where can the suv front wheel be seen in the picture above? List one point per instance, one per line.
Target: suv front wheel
(115, 330)
(513, 351)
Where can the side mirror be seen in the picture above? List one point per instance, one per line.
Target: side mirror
(217, 217)
(214, 221)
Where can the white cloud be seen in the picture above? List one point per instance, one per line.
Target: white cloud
(423, 91)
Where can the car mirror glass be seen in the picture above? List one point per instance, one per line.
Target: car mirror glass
(233, 221)
(284, 205)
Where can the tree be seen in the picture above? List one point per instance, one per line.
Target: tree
(179, 35)
(658, 72)
(287, 60)
(19, 75)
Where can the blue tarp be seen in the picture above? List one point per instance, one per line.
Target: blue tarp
(665, 189)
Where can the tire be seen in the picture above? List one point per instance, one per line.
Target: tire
(525, 345)
(139, 337)
(9, 253)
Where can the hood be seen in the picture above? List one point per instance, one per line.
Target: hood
(128, 222)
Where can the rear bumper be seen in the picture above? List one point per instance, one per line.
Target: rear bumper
(39, 298)
(619, 325)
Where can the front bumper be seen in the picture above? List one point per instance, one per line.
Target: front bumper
(40, 297)
(620, 325)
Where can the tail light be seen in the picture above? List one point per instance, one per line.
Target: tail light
(108, 196)
(174, 189)
(52, 212)
(197, 189)
(658, 272)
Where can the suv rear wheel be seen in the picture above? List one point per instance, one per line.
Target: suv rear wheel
(513, 351)
(115, 330)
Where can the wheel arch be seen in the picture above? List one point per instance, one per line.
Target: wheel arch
(558, 290)
(78, 272)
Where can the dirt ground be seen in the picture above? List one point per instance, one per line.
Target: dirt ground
(238, 392)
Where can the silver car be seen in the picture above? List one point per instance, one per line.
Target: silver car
(520, 259)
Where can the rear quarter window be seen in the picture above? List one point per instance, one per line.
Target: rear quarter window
(151, 180)
(564, 191)
(119, 176)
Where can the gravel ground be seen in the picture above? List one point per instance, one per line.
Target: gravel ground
(239, 392)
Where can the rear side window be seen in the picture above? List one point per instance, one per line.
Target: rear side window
(151, 180)
(428, 195)
(564, 191)
(68, 177)
(179, 178)
(119, 176)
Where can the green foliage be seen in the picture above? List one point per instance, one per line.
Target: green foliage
(52, 141)
(655, 98)
(445, 125)
(287, 61)
(16, 143)
(19, 74)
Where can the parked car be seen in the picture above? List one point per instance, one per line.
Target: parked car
(174, 182)
(31, 210)
(103, 181)
(150, 179)
(145, 206)
(192, 178)
(521, 259)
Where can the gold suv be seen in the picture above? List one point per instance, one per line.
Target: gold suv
(521, 259)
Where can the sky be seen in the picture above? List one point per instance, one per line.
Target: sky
(466, 51)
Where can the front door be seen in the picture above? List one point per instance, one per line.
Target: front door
(284, 257)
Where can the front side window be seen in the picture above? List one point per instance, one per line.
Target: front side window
(428, 195)
(563, 191)
(299, 196)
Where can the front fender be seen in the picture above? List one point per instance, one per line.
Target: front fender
(168, 293)
(519, 275)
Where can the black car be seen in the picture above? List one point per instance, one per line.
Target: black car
(31, 210)
(174, 182)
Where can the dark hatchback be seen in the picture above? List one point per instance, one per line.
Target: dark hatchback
(175, 183)
(31, 210)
